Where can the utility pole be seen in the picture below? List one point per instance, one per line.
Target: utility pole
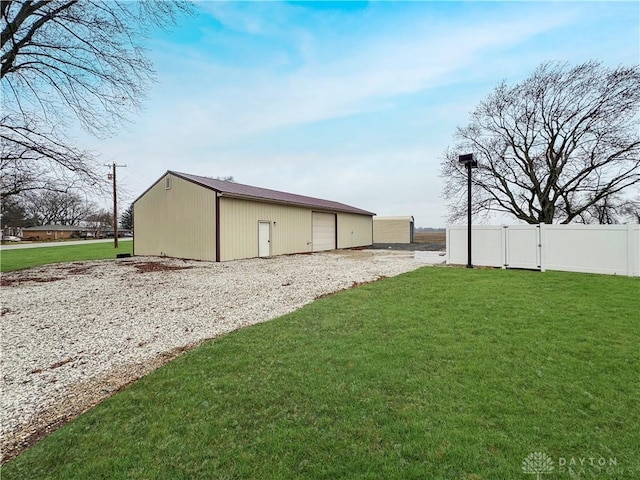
(112, 176)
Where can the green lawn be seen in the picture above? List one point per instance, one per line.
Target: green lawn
(442, 373)
(33, 257)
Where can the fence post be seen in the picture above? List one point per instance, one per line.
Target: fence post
(503, 239)
(543, 246)
(633, 250)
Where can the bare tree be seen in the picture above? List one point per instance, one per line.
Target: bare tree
(66, 59)
(98, 221)
(631, 210)
(612, 210)
(56, 208)
(34, 158)
(553, 148)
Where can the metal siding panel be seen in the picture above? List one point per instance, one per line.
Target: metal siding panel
(392, 230)
(354, 230)
(290, 228)
(179, 222)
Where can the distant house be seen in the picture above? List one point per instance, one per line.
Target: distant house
(189, 216)
(55, 232)
(393, 229)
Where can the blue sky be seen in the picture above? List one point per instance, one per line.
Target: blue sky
(352, 102)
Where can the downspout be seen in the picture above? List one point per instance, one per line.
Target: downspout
(371, 230)
(133, 220)
(217, 226)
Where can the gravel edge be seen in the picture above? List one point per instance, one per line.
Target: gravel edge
(74, 334)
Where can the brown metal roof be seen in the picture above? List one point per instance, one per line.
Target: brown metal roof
(239, 190)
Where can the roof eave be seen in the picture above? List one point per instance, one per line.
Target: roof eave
(221, 193)
(294, 204)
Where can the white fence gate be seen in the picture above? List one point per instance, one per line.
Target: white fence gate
(522, 247)
(608, 249)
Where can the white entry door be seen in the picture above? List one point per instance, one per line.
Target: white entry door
(324, 231)
(264, 239)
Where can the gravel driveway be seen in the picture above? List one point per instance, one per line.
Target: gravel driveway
(73, 334)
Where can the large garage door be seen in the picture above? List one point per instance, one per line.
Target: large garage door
(324, 231)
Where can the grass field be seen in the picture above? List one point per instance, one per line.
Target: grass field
(442, 373)
(430, 237)
(32, 257)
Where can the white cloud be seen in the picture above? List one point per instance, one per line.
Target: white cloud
(215, 114)
(217, 103)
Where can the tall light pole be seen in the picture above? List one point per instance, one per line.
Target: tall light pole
(468, 161)
(112, 176)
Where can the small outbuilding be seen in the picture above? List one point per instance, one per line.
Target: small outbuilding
(393, 229)
(202, 218)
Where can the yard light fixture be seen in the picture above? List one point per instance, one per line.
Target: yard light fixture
(468, 161)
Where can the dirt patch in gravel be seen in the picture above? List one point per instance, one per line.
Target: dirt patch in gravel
(80, 270)
(145, 267)
(7, 282)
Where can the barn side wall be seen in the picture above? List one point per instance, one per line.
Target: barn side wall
(392, 230)
(290, 228)
(176, 222)
(354, 230)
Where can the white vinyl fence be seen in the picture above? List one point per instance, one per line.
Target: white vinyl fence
(608, 249)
